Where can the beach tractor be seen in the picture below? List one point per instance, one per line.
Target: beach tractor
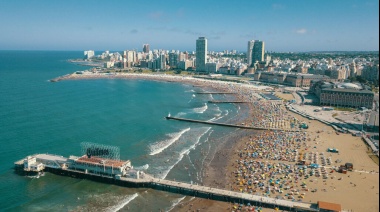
(342, 169)
(349, 166)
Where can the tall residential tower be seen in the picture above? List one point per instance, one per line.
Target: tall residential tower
(249, 52)
(257, 52)
(201, 54)
(146, 48)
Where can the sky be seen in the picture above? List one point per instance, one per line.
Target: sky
(284, 25)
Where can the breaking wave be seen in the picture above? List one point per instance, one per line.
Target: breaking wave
(175, 203)
(143, 167)
(162, 145)
(125, 202)
(184, 152)
(201, 109)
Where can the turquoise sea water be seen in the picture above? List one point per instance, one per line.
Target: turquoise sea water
(37, 116)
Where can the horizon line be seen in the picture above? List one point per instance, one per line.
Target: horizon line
(309, 51)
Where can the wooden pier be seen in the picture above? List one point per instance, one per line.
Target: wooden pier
(148, 181)
(223, 195)
(230, 125)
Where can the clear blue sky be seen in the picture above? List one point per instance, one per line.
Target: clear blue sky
(291, 25)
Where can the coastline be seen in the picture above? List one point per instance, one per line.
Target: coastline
(221, 166)
(214, 162)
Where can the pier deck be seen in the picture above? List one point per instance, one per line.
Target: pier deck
(303, 206)
(53, 164)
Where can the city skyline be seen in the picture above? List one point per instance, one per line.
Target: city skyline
(285, 26)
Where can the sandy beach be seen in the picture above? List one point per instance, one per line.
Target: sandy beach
(264, 163)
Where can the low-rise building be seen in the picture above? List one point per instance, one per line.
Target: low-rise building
(342, 95)
(185, 64)
(295, 80)
(97, 165)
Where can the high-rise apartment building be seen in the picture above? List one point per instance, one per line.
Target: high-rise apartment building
(130, 56)
(249, 52)
(146, 48)
(258, 51)
(159, 62)
(201, 54)
(173, 59)
(89, 54)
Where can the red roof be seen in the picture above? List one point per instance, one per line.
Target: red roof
(329, 206)
(102, 161)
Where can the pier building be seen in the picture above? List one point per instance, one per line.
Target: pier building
(97, 165)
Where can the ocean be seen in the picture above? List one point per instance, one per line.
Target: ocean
(38, 116)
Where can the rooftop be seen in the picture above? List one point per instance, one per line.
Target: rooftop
(50, 157)
(103, 161)
(329, 206)
(348, 90)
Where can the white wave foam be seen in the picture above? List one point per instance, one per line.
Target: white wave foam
(199, 138)
(216, 118)
(183, 152)
(190, 91)
(180, 114)
(125, 202)
(37, 176)
(218, 109)
(193, 95)
(143, 167)
(218, 115)
(191, 162)
(204, 158)
(160, 146)
(175, 203)
(166, 172)
(201, 109)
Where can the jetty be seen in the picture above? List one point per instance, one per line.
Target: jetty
(215, 93)
(122, 173)
(230, 125)
(235, 102)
